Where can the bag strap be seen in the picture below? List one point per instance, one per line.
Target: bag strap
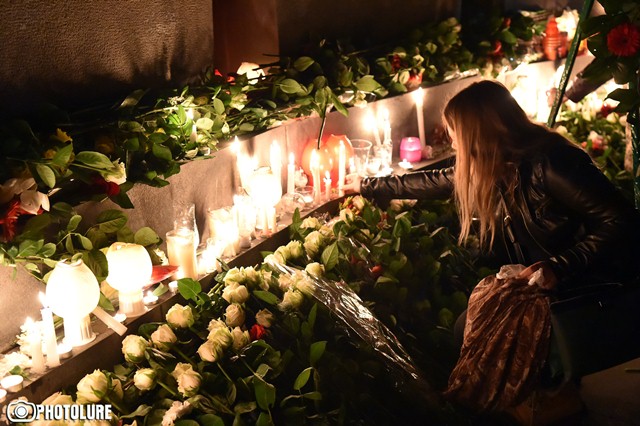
(509, 230)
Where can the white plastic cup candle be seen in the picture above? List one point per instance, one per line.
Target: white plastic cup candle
(49, 334)
(181, 251)
(12, 383)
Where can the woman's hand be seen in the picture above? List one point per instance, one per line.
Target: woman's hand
(352, 184)
(549, 279)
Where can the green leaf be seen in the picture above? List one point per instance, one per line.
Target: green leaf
(302, 378)
(29, 248)
(161, 152)
(47, 250)
(125, 235)
(186, 422)
(265, 393)
(210, 420)
(46, 175)
(218, 106)
(141, 411)
(96, 260)
(189, 288)
(316, 351)
(314, 396)
(133, 99)
(94, 159)
(110, 221)
(329, 257)
(85, 242)
(98, 238)
(62, 157)
(146, 236)
(74, 222)
(264, 419)
(204, 123)
(367, 84)
(290, 86)
(266, 296)
(246, 127)
(132, 144)
(302, 63)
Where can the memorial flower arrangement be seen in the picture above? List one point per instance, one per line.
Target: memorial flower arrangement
(348, 322)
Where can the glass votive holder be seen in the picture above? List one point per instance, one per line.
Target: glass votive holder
(181, 250)
(305, 194)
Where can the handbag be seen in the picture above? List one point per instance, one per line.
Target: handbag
(593, 327)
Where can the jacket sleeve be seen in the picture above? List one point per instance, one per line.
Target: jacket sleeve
(424, 184)
(611, 222)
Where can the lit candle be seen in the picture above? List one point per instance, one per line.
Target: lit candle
(386, 125)
(291, 174)
(315, 172)
(419, 99)
(342, 163)
(276, 160)
(405, 164)
(12, 383)
(272, 219)
(181, 250)
(327, 185)
(120, 317)
(371, 124)
(65, 350)
(49, 334)
(34, 338)
(150, 299)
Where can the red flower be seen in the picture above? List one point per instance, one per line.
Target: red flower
(104, 187)
(624, 40)
(606, 110)
(257, 332)
(10, 220)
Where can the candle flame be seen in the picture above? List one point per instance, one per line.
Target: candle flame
(370, 122)
(235, 146)
(417, 97)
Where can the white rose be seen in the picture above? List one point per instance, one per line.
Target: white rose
(235, 293)
(251, 275)
(271, 259)
(562, 130)
(586, 115)
(180, 316)
(285, 281)
(234, 315)
(92, 387)
(265, 280)
(612, 117)
(58, 399)
(210, 351)
(177, 410)
(163, 338)
(265, 318)
(221, 336)
(283, 252)
(240, 338)
(310, 222)
(133, 348)
(145, 379)
(346, 215)
(292, 299)
(233, 275)
(117, 174)
(306, 286)
(188, 379)
(326, 231)
(116, 388)
(214, 324)
(358, 202)
(316, 269)
(295, 249)
(313, 243)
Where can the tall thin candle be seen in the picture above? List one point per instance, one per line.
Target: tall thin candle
(315, 172)
(371, 124)
(419, 99)
(34, 338)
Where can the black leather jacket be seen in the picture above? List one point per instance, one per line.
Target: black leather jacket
(563, 211)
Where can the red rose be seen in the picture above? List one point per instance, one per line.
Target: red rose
(606, 110)
(257, 332)
(102, 186)
(624, 40)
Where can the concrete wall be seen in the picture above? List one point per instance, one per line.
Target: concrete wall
(78, 51)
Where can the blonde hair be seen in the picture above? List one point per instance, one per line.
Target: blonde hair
(492, 134)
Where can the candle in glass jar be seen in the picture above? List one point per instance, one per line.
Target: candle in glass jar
(181, 250)
(291, 174)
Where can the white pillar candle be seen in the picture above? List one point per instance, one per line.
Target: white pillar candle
(291, 174)
(34, 338)
(327, 186)
(181, 251)
(49, 334)
(111, 322)
(419, 99)
(272, 219)
(342, 167)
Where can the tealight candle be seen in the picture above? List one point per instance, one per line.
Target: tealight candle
(405, 164)
(12, 383)
(150, 299)
(120, 317)
(64, 349)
